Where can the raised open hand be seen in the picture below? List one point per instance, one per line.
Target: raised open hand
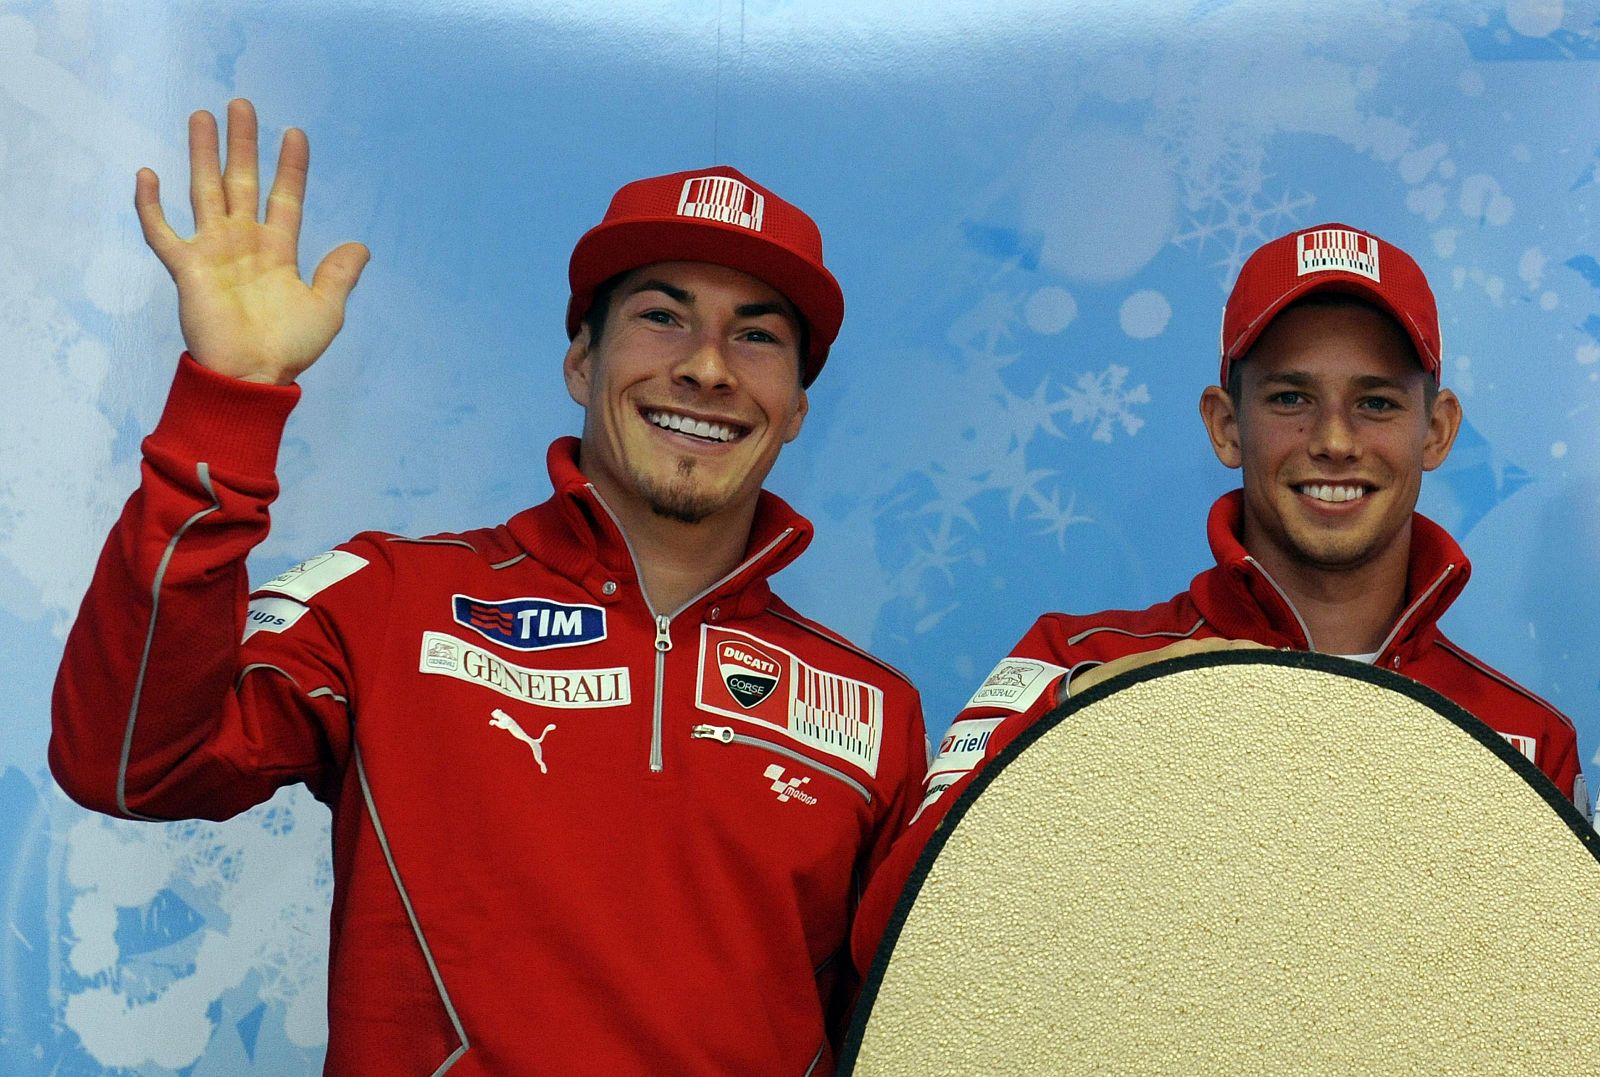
(243, 308)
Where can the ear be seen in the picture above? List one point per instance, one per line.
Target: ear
(577, 367)
(792, 430)
(1222, 425)
(1444, 423)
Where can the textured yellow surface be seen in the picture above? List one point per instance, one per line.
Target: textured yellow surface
(1250, 869)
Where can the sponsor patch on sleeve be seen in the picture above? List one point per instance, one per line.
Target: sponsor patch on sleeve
(314, 574)
(1015, 684)
(751, 680)
(963, 746)
(1526, 745)
(272, 615)
(936, 786)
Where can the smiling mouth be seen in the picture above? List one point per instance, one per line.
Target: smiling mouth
(1333, 493)
(719, 433)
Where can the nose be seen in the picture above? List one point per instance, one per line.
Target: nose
(705, 365)
(1333, 436)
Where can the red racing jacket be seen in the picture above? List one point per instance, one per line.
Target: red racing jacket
(1236, 599)
(570, 834)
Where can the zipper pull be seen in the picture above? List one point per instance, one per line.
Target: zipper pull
(663, 638)
(712, 732)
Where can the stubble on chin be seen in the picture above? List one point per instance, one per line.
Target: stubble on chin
(678, 499)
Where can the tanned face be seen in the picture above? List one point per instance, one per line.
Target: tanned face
(691, 393)
(1333, 429)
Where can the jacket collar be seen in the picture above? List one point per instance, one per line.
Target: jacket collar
(576, 535)
(1242, 601)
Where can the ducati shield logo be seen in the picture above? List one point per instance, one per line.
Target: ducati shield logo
(749, 673)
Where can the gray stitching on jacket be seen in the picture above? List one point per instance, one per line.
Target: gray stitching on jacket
(411, 913)
(433, 541)
(203, 472)
(1087, 632)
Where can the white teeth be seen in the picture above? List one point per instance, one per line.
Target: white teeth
(684, 425)
(1334, 494)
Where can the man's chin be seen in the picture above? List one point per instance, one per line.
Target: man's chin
(688, 505)
(1334, 556)
(684, 512)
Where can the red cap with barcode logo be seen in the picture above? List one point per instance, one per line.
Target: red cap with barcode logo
(1330, 258)
(716, 215)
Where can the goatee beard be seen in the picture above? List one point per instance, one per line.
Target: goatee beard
(679, 500)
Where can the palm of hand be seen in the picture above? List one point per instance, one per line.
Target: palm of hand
(242, 305)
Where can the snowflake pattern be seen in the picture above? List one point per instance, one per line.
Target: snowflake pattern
(1001, 457)
(1104, 401)
(1236, 222)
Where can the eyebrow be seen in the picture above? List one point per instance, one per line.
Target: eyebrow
(1300, 380)
(672, 291)
(681, 295)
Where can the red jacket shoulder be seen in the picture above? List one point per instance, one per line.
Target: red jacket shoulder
(1109, 634)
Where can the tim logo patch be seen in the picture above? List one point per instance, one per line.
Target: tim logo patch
(756, 681)
(531, 624)
(749, 673)
(724, 199)
(1338, 248)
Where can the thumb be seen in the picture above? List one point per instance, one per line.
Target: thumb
(337, 274)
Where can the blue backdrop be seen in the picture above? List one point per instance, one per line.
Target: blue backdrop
(1035, 210)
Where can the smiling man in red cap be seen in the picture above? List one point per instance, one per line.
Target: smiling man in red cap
(1329, 403)
(601, 801)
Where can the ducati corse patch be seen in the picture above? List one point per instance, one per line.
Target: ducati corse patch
(753, 680)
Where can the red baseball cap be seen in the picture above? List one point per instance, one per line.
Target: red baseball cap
(1330, 258)
(721, 216)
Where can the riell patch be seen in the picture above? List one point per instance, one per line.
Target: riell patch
(749, 673)
(962, 748)
(314, 574)
(531, 624)
(1337, 249)
(838, 715)
(1015, 684)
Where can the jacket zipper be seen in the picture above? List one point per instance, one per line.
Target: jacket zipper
(1393, 632)
(1411, 609)
(663, 645)
(725, 735)
(1304, 631)
(664, 622)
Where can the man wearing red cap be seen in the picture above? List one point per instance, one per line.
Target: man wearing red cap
(601, 801)
(1329, 403)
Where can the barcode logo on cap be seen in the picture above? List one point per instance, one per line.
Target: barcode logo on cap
(1336, 248)
(722, 198)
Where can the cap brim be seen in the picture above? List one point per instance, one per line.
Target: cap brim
(1342, 284)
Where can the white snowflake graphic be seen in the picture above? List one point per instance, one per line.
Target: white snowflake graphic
(1239, 220)
(1105, 401)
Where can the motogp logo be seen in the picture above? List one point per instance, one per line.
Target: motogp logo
(749, 672)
